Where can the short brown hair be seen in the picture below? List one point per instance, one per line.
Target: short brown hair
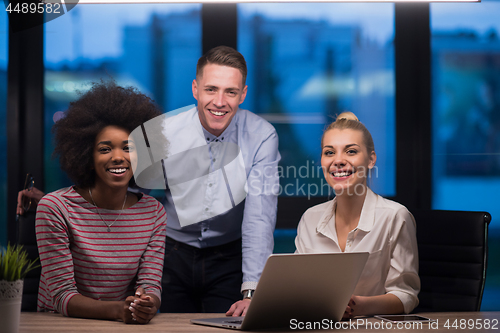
(348, 120)
(223, 56)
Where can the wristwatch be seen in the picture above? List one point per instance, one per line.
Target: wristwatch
(248, 294)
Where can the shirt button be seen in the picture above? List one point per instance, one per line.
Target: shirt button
(210, 185)
(222, 138)
(206, 209)
(213, 160)
(208, 139)
(205, 230)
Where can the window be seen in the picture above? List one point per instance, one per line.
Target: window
(466, 116)
(308, 63)
(151, 47)
(4, 33)
(466, 105)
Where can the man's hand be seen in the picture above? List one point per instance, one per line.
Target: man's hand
(35, 194)
(239, 308)
(143, 307)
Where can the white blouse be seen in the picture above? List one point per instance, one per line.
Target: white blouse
(386, 230)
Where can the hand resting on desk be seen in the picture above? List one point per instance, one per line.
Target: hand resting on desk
(143, 307)
(137, 309)
(371, 305)
(239, 308)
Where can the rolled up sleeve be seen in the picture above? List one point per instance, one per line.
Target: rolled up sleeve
(403, 280)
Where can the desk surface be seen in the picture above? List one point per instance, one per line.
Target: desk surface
(32, 322)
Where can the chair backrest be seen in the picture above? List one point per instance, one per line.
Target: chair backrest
(27, 238)
(453, 253)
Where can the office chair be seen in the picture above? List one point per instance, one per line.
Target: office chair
(27, 238)
(453, 253)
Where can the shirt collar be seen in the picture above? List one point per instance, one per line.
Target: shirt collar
(209, 137)
(327, 217)
(366, 219)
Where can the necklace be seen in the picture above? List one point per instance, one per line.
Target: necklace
(107, 225)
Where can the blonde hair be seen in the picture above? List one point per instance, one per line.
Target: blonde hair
(348, 120)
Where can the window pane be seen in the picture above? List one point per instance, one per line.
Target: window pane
(151, 47)
(466, 106)
(308, 63)
(466, 117)
(4, 37)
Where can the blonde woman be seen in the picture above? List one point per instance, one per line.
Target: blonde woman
(358, 220)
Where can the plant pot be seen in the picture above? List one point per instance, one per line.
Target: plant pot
(11, 294)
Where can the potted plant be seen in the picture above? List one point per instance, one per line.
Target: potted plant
(14, 265)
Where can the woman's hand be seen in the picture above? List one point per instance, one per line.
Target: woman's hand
(371, 305)
(125, 313)
(351, 307)
(143, 307)
(34, 194)
(239, 308)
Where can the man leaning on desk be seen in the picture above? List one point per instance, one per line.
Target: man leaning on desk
(214, 265)
(211, 264)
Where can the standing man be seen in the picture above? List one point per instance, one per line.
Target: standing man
(211, 264)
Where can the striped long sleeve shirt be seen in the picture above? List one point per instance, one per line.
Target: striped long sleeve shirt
(80, 256)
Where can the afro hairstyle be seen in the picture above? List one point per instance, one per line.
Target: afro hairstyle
(105, 104)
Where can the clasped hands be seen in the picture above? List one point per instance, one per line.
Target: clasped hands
(140, 308)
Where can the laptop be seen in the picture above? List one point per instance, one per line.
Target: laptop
(301, 287)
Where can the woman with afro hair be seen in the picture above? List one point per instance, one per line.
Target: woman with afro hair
(101, 246)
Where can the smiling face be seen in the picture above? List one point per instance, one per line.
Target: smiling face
(112, 157)
(219, 91)
(346, 161)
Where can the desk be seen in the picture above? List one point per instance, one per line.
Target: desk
(32, 322)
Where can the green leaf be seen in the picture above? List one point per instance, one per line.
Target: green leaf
(14, 263)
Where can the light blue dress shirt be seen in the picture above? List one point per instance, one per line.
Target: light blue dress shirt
(252, 220)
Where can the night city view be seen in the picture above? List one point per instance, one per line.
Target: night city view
(306, 65)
